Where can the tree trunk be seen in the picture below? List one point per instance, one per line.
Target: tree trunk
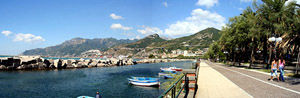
(234, 58)
(298, 60)
(251, 58)
(252, 54)
(270, 57)
(265, 54)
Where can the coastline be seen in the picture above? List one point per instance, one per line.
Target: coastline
(32, 63)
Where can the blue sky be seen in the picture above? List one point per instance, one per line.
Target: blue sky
(29, 24)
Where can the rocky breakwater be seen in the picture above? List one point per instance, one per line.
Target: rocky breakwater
(160, 60)
(36, 62)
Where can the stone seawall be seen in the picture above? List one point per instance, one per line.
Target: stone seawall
(36, 62)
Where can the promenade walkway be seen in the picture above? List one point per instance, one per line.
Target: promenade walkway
(212, 84)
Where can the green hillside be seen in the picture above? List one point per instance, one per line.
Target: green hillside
(196, 41)
(143, 43)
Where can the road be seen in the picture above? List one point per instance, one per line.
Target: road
(257, 84)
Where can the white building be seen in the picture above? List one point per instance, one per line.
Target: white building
(187, 53)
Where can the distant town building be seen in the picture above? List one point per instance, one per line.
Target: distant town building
(177, 52)
(91, 53)
(188, 53)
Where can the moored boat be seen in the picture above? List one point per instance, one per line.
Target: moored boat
(144, 81)
(85, 97)
(167, 76)
(171, 69)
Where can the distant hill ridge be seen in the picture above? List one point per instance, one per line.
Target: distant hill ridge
(143, 43)
(199, 40)
(76, 46)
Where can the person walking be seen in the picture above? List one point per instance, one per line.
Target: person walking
(281, 68)
(274, 68)
(98, 95)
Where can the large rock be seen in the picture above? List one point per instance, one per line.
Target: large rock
(26, 60)
(101, 65)
(130, 62)
(114, 61)
(58, 64)
(20, 67)
(2, 67)
(11, 62)
(81, 64)
(34, 66)
(47, 63)
(70, 63)
(51, 64)
(93, 63)
(42, 65)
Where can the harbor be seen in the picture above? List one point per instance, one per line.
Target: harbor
(111, 82)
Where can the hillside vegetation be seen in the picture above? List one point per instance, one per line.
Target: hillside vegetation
(196, 41)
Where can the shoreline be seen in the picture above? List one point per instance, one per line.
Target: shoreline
(36, 63)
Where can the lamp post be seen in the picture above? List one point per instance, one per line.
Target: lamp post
(225, 52)
(274, 40)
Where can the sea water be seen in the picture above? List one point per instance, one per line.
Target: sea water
(111, 82)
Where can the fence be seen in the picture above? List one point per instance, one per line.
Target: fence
(172, 91)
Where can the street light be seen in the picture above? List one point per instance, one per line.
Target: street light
(225, 52)
(275, 40)
(258, 51)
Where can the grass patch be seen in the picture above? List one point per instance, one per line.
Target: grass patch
(292, 75)
(285, 74)
(170, 82)
(264, 70)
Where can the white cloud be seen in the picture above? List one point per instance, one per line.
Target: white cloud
(149, 30)
(28, 38)
(207, 3)
(6, 33)
(287, 2)
(138, 37)
(165, 4)
(200, 19)
(241, 9)
(119, 26)
(246, 0)
(114, 16)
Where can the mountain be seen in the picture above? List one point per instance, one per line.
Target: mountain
(199, 40)
(76, 46)
(152, 44)
(143, 43)
(135, 47)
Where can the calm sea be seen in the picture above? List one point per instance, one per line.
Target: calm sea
(70, 83)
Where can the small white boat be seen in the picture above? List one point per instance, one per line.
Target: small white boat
(144, 81)
(170, 69)
(85, 97)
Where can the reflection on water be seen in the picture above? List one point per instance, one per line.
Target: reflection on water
(69, 83)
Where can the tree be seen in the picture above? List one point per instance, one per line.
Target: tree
(151, 56)
(249, 32)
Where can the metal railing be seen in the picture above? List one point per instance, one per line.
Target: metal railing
(171, 91)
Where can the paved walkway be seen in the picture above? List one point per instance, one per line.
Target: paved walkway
(257, 84)
(212, 84)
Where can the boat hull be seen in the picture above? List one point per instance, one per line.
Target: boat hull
(145, 84)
